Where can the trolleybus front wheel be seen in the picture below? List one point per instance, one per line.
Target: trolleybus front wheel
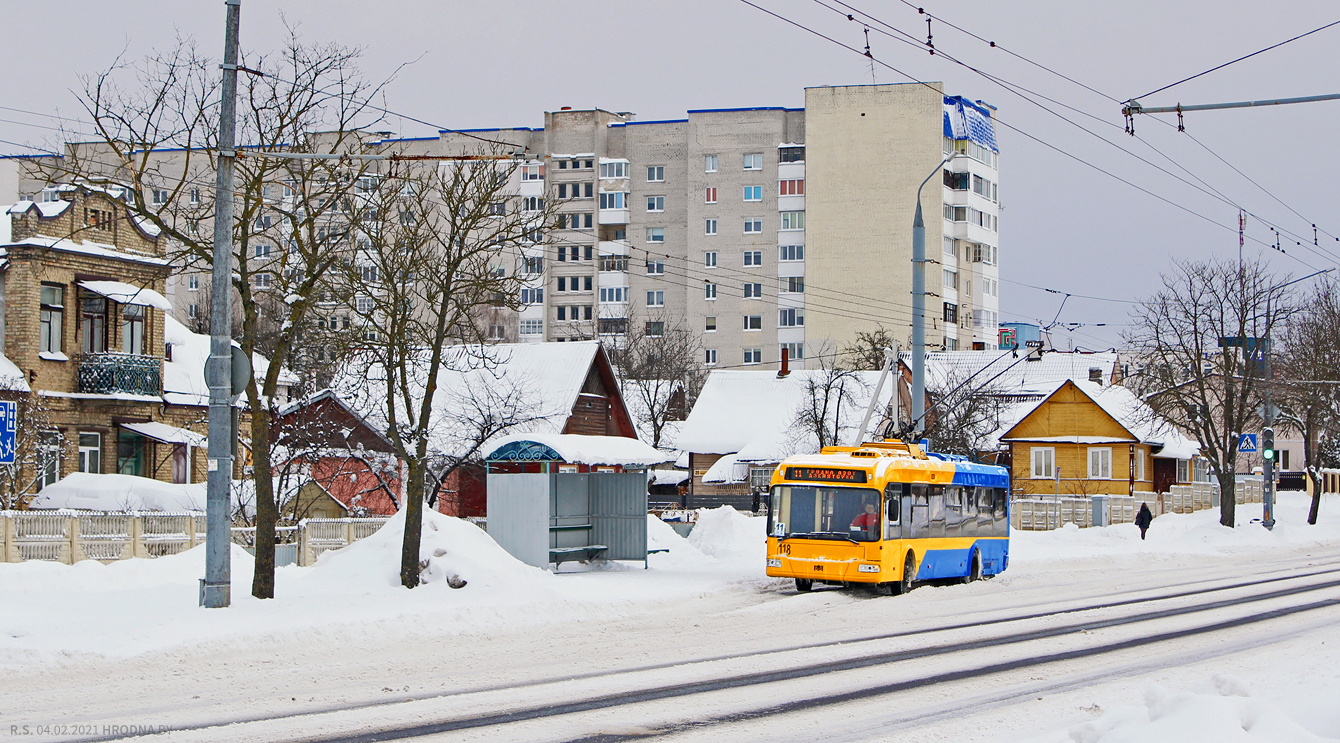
(909, 571)
(804, 585)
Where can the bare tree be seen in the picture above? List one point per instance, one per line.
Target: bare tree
(157, 143)
(866, 352)
(964, 412)
(436, 260)
(831, 406)
(1307, 383)
(1198, 336)
(659, 371)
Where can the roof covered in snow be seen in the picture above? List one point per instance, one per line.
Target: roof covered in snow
(88, 247)
(1123, 406)
(576, 449)
(184, 376)
(11, 377)
(971, 121)
(1009, 375)
(752, 414)
(81, 490)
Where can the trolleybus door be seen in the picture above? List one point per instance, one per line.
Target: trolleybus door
(894, 503)
(920, 521)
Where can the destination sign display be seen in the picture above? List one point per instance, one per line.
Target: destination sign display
(824, 474)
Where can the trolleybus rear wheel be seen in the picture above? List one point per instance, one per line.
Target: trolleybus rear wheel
(975, 569)
(909, 570)
(804, 585)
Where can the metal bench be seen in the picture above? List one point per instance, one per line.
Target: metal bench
(559, 555)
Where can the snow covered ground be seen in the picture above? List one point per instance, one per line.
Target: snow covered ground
(67, 625)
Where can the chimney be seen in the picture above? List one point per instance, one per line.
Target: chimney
(565, 108)
(1095, 375)
(786, 363)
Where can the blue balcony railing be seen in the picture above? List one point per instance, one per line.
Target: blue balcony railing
(120, 373)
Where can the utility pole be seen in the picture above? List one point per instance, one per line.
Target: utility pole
(215, 587)
(919, 308)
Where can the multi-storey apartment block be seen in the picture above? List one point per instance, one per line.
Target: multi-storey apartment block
(762, 230)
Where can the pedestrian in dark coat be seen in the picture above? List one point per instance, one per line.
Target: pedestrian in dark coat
(1144, 518)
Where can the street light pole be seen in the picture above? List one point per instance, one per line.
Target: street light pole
(919, 307)
(215, 587)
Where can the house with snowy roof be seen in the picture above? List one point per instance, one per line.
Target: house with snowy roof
(1017, 375)
(1083, 438)
(745, 422)
(564, 389)
(112, 383)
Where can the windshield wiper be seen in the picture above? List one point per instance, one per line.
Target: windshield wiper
(821, 535)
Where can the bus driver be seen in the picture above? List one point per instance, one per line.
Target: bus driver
(867, 521)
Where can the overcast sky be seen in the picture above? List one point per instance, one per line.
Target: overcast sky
(1063, 226)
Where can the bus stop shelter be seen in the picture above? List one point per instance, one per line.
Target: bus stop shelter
(554, 498)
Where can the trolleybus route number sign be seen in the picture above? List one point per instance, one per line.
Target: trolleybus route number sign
(824, 474)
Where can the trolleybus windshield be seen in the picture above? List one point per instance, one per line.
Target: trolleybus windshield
(825, 513)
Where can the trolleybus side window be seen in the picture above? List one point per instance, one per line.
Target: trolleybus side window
(920, 526)
(937, 498)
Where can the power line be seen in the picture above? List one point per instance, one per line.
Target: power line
(1239, 59)
(1071, 294)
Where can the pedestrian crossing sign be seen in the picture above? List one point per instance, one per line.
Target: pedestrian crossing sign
(1247, 443)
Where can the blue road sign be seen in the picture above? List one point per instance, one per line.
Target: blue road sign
(1247, 443)
(8, 425)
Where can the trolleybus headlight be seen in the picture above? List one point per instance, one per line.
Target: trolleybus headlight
(867, 568)
(773, 563)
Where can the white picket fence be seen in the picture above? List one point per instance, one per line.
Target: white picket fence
(71, 536)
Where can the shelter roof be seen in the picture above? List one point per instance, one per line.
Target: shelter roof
(576, 449)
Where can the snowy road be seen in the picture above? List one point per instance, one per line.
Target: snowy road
(1009, 658)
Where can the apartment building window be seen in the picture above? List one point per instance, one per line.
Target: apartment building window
(791, 252)
(951, 246)
(614, 170)
(655, 203)
(951, 344)
(753, 225)
(753, 356)
(587, 252)
(753, 161)
(496, 332)
(261, 280)
(951, 279)
(710, 324)
(792, 284)
(790, 317)
(951, 313)
(532, 327)
(753, 322)
(710, 163)
(586, 283)
(498, 209)
(561, 313)
(613, 200)
(794, 187)
(363, 305)
(563, 253)
(90, 452)
(1100, 463)
(709, 291)
(160, 196)
(573, 190)
(967, 287)
(563, 283)
(710, 227)
(710, 259)
(617, 294)
(193, 283)
(532, 172)
(794, 351)
(132, 329)
(709, 357)
(263, 223)
(753, 193)
(52, 318)
(656, 298)
(533, 264)
(195, 196)
(369, 274)
(614, 263)
(791, 154)
(955, 213)
(956, 181)
(655, 173)
(753, 258)
(1044, 462)
(753, 291)
(193, 311)
(532, 296)
(613, 326)
(710, 196)
(655, 267)
(655, 329)
(532, 204)
(793, 220)
(655, 234)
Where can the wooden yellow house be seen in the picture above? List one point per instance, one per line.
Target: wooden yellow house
(1089, 439)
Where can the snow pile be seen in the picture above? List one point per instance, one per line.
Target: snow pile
(1196, 533)
(90, 576)
(452, 553)
(727, 534)
(1225, 711)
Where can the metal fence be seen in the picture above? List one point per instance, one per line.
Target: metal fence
(71, 536)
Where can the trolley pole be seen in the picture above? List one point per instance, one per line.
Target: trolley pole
(215, 587)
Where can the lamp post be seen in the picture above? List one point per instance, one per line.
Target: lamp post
(919, 307)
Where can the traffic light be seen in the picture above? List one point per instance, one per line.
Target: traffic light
(1268, 445)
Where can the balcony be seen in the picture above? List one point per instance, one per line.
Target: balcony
(120, 374)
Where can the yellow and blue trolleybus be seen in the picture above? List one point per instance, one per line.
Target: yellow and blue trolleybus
(886, 514)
